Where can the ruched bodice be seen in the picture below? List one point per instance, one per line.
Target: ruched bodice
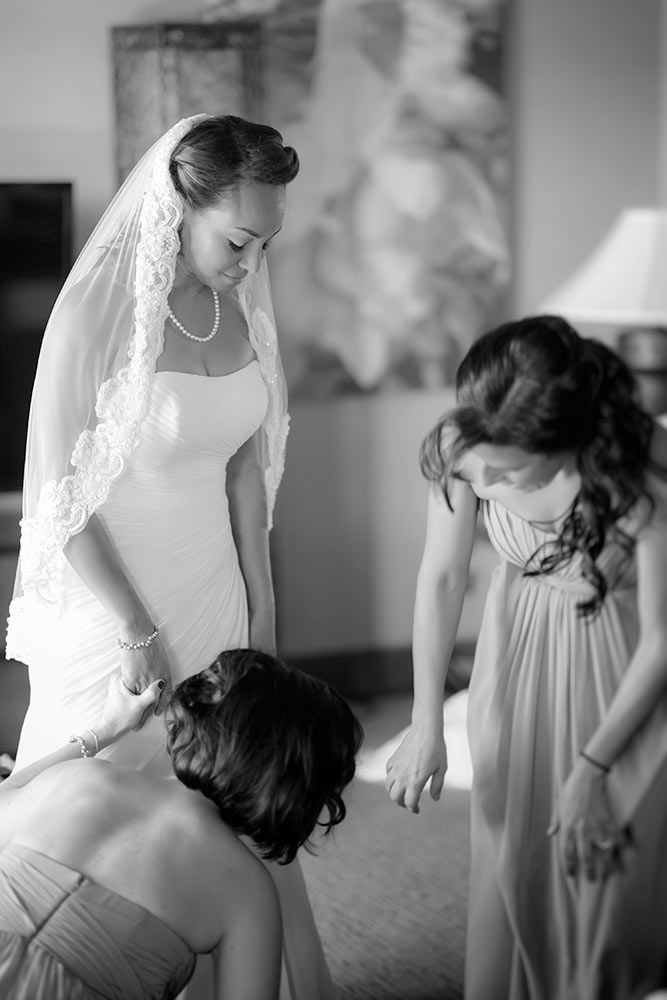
(517, 540)
(168, 518)
(64, 937)
(195, 424)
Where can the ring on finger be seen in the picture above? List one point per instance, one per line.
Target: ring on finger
(604, 844)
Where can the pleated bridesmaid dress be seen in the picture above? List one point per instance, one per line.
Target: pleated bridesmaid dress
(64, 937)
(541, 681)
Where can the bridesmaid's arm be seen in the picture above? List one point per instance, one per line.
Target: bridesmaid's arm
(247, 510)
(584, 817)
(441, 585)
(645, 681)
(68, 751)
(122, 712)
(248, 958)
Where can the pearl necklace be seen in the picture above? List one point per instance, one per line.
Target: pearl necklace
(216, 323)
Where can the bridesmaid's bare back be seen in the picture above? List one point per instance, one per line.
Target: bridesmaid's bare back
(153, 841)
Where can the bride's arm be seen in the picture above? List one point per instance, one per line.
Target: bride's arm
(247, 510)
(94, 558)
(91, 553)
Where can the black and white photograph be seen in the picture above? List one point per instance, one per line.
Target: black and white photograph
(333, 500)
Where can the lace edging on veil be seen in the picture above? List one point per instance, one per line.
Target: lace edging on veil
(98, 458)
(264, 341)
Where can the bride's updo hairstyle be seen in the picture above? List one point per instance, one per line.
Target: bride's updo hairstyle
(224, 152)
(535, 384)
(270, 745)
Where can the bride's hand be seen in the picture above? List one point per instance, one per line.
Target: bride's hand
(421, 755)
(140, 667)
(124, 711)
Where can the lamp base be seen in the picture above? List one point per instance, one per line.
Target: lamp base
(644, 351)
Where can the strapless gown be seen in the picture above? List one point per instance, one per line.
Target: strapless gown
(168, 517)
(541, 682)
(63, 937)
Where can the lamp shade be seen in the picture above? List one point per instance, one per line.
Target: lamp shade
(624, 281)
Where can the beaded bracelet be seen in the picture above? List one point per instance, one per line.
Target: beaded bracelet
(595, 763)
(138, 645)
(97, 742)
(85, 752)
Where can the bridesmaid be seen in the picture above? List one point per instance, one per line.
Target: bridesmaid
(111, 880)
(567, 713)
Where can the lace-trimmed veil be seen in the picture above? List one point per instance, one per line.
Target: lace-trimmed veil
(93, 379)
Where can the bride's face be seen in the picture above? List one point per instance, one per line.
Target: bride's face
(223, 243)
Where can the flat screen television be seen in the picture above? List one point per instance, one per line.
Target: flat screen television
(35, 257)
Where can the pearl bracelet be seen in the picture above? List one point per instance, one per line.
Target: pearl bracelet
(97, 742)
(138, 645)
(85, 752)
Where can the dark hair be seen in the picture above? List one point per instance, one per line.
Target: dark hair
(270, 745)
(537, 385)
(224, 151)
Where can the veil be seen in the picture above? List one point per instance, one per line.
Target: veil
(93, 381)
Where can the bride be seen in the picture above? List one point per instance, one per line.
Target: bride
(155, 449)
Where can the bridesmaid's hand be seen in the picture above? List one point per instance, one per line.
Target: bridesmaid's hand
(140, 667)
(421, 755)
(124, 711)
(590, 840)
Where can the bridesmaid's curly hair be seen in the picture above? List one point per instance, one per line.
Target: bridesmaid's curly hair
(270, 745)
(537, 385)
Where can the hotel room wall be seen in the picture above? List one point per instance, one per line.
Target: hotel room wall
(584, 81)
(584, 85)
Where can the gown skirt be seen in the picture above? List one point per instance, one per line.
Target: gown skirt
(168, 517)
(541, 682)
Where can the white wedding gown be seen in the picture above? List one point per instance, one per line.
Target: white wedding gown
(168, 517)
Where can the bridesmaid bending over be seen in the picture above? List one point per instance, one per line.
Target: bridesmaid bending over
(112, 881)
(567, 714)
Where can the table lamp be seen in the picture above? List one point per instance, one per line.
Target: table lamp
(624, 283)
